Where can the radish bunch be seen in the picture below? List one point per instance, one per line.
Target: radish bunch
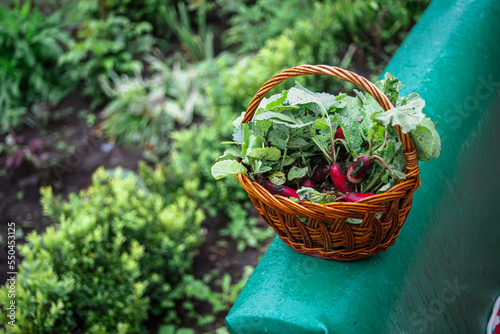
(323, 148)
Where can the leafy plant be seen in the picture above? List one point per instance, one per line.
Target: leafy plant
(104, 46)
(251, 25)
(136, 116)
(144, 11)
(144, 111)
(199, 290)
(30, 47)
(245, 231)
(120, 249)
(197, 46)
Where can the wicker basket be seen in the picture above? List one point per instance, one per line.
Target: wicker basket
(326, 234)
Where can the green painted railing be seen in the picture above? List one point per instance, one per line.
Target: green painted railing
(443, 274)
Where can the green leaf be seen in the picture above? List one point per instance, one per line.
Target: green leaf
(289, 160)
(322, 123)
(250, 140)
(299, 95)
(259, 167)
(275, 116)
(398, 174)
(234, 151)
(399, 165)
(385, 187)
(281, 109)
(352, 133)
(298, 143)
(264, 125)
(254, 142)
(268, 153)
(277, 178)
(273, 101)
(311, 194)
(297, 173)
(278, 142)
(238, 134)
(352, 107)
(408, 116)
(354, 221)
(390, 87)
(427, 140)
(224, 168)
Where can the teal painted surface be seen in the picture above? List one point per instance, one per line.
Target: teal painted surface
(443, 274)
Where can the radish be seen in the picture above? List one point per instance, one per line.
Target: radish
(353, 197)
(305, 182)
(280, 189)
(319, 173)
(358, 168)
(339, 178)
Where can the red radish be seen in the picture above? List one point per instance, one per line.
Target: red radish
(353, 197)
(280, 189)
(339, 134)
(320, 173)
(339, 178)
(289, 192)
(358, 168)
(305, 182)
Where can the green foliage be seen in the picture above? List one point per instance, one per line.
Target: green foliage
(245, 231)
(197, 46)
(136, 116)
(251, 25)
(330, 33)
(219, 301)
(117, 243)
(192, 155)
(30, 46)
(144, 111)
(185, 20)
(105, 46)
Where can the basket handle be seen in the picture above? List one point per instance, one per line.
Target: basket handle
(333, 71)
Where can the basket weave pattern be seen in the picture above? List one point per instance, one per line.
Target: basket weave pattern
(326, 234)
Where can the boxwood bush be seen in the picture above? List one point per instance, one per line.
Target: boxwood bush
(119, 249)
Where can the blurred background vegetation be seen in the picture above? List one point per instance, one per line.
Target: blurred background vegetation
(111, 115)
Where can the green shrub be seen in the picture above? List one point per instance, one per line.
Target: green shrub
(105, 46)
(30, 47)
(119, 249)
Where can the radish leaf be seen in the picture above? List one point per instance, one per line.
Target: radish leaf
(277, 178)
(297, 173)
(427, 140)
(408, 116)
(224, 168)
(311, 194)
(268, 153)
(231, 152)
